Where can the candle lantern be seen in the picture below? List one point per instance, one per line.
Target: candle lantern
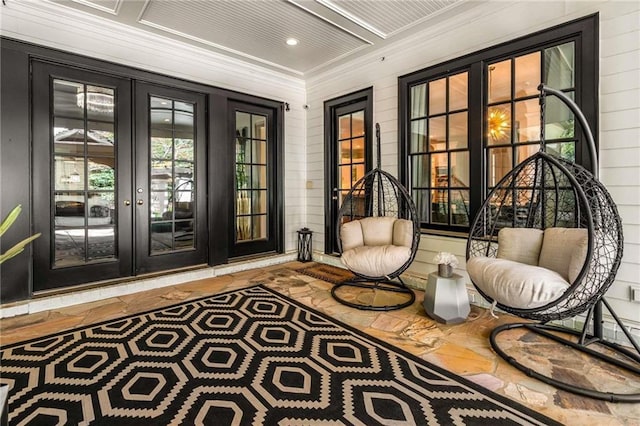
(304, 244)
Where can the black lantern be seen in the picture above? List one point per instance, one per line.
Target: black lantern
(304, 244)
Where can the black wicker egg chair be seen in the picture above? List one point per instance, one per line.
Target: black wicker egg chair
(558, 198)
(377, 197)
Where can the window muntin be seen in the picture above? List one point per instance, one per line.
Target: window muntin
(84, 173)
(251, 187)
(439, 149)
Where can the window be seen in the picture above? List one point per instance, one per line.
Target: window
(251, 177)
(466, 123)
(439, 149)
(83, 165)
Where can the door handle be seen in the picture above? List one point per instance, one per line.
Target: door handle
(139, 202)
(127, 202)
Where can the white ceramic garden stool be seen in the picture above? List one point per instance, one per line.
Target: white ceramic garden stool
(446, 299)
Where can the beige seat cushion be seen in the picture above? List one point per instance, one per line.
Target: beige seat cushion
(515, 284)
(520, 245)
(376, 261)
(558, 248)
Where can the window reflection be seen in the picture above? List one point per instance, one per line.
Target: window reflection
(252, 188)
(172, 175)
(84, 173)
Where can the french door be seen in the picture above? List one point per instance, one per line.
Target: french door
(254, 210)
(170, 194)
(81, 176)
(102, 215)
(348, 144)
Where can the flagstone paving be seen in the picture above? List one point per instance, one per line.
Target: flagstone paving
(461, 348)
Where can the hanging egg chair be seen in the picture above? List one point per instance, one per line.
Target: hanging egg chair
(378, 234)
(546, 245)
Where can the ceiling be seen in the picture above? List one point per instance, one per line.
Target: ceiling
(328, 31)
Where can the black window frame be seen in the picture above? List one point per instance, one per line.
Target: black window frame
(583, 31)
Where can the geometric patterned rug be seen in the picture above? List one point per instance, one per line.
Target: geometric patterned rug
(244, 357)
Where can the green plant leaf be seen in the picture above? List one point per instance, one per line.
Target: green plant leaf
(17, 249)
(11, 217)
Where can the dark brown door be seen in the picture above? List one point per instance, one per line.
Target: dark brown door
(81, 176)
(253, 208)
(170, 191)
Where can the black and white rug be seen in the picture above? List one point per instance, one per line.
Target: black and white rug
(246, 357)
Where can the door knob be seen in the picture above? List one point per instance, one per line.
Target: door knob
(139, 202)
(127, 202)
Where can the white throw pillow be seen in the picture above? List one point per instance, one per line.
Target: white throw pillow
(558, 247)
(515, 284)
(376, 261)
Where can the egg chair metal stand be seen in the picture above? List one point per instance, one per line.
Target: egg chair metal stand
(546, 191)
(378, 194)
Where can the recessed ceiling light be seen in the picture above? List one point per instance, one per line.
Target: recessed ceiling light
(292, 41)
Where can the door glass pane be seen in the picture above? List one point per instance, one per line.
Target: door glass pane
(183, 235)
(344, 153)
(184, 149)
(161, 148)
(102, 173)
(500, 81)
(68, 172)
(101, 243)
(259, 177)
(259, 227)
(99, 103)
(68, 136)
(259, 153)
(499, 124)
(344, 172)
(172, 173)
(68, 100)
(69, 246)
(344, 127)
(357, 173)
(527, 76)
(357, 124)
(252, 189)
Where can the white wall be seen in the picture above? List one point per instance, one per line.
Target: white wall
(484, 26)
(50, 25)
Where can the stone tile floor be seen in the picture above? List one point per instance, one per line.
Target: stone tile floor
(462, 348)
